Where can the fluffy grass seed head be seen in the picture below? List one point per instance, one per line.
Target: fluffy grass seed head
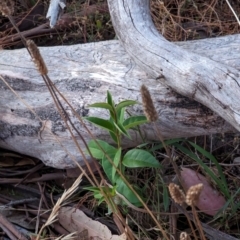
(184, 236)
(37, 57)
(148, 106)
(193, 193)
(6, 7)
(176, 193)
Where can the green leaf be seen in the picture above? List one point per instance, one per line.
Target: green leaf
(123, 189)
(101, 199)
(165, 198)
(120, 115)
(214, 160)
(107, 165)
(99, 24)
(139, 158)
(92, 189)
(116, 161)
(110, 100)
(113, 136)
(113, 116)
(124, 104)
(142, 145)
(212, 175)
(102, 105)
(121, 129)
(98, 195)
(167, 142)
(134, 121)
(100, 148)
(105, 124)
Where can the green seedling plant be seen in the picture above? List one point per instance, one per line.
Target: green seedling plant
(113, 157)
(110, 192)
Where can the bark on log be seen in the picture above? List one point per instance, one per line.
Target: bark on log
(83, 73)
(214, 84)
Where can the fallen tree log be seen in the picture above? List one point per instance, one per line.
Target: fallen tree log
(214, 84)
(83, 73)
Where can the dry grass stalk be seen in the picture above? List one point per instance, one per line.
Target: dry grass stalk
(198, 223)
(37, 57)
(66, 195)
(193, 194)
(184, 236)
(152, 116)
(179, 197)
(192, 197)
(176, 193)
(148, 106)
(234, 13)
(6, 7)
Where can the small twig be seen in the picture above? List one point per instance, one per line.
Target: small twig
(38, 214)
(173, 222)
(33, 170)
(11, 228)
(42, 194)
(43, 178)
(211, 233)
(22, 201)
(191, 225)
(9, 233)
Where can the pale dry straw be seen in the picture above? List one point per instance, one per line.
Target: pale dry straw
(65, 196)
(193, 193)
(148, 106)
(37, 57)
(6, 7)
(70, 236)
(176, 193)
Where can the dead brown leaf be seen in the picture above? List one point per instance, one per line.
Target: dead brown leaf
(210, 200)
(74, 220)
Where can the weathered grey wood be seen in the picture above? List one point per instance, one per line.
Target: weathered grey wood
(54, 10)
(83, 73)
(214, 84)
